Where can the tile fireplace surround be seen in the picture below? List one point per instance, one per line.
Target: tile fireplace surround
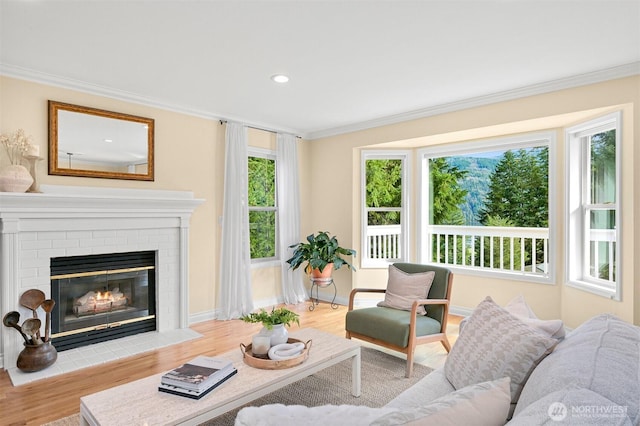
(73, 221)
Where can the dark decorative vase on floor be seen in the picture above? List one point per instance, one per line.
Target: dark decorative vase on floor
(37, 357)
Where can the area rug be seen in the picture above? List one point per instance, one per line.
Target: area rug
(382, 380)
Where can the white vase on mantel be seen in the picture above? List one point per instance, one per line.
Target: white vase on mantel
(15, 178)
(278, 334)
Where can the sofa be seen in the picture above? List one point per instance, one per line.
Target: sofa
(506, 368)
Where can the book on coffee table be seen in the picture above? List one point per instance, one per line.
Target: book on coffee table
(199, 373)
(176, 390)
(194, 394)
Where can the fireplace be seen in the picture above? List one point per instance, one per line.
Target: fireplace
(102, 297)
(77, 221)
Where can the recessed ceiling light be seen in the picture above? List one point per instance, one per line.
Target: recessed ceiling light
(279, 78)
(108, 140)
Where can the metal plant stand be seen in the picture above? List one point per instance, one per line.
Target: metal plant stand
(322, 283)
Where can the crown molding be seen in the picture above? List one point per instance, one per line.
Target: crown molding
(612, 73)
(121, 95)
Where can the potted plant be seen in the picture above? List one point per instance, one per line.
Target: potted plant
(274, 323)
(322, 253)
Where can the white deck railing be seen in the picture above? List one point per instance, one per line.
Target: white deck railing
(384, 242)
(512, 249)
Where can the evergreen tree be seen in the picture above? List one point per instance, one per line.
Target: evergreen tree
(447, 198)
(446, 193)
(519, 192)
(384, 189)
(262, 194)
(518, 189)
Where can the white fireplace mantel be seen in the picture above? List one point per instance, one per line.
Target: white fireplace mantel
(72, 221)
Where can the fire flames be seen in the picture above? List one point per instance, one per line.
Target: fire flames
(94, 302)
(104, 296)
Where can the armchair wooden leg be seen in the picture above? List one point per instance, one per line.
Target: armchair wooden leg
(409, 369)
(446, 344)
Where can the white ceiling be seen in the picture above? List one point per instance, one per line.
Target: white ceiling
(353, 64)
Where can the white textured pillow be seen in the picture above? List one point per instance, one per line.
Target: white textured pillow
(404, 288)
(281, 415)
(519, 307)
(483, 404)
(496, 344)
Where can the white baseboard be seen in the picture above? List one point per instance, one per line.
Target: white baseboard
(202, 317)
(265, 304)
(460, 310)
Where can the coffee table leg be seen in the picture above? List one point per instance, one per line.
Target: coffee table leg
(356, 363)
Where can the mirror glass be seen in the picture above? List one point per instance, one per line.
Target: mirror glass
(92, 142)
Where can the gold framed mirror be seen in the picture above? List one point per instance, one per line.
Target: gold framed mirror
(92, 142)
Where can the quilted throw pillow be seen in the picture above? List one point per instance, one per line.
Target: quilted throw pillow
(496, 344)
(404, 288)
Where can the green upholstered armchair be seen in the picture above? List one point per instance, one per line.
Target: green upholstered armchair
(401, 330)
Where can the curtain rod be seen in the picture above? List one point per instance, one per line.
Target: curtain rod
(259, 128)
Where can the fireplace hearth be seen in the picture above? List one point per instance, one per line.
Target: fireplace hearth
(102, 297)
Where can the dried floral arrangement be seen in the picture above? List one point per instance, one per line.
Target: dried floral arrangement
(16, 144)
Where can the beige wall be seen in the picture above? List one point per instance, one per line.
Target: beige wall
(190, 156)
(340, 213)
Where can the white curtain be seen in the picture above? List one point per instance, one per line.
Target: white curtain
(289, 210)
(235, 260)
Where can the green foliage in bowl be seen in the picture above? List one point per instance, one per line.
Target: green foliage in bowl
(277, 316)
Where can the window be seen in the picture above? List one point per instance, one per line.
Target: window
(485, 206)
(384, 191)
(593, 185)
(263, 209)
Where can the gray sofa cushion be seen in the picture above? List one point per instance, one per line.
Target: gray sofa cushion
(434, 385)
(572, 406)
(602, 355)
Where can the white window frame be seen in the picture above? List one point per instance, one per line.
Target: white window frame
(271, 155)
(528, 140)
(405, 156)
(577, 185)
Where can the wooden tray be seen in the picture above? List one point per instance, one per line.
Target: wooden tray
(270, 364)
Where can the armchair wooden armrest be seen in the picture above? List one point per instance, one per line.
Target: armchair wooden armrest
(423, 302)
(353, 293)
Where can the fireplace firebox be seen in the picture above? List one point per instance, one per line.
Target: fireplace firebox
(102, 297)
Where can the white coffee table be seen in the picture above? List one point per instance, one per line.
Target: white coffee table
(140, 402)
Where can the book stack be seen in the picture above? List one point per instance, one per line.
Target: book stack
(198, 377)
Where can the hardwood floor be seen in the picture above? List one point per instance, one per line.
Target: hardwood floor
(50, 399)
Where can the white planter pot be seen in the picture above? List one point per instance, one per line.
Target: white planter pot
(279, 334)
